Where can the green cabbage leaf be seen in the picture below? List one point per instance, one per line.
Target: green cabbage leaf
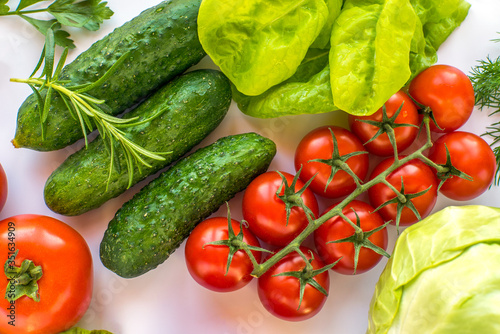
(443, 276)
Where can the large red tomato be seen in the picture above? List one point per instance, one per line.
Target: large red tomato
(337, 228)
(447, 92)
(280, 295)
(471, 155)
(266, 213)
(416, 177)
(207, 264)
(318, 144)
(404, 135)
(60, 255)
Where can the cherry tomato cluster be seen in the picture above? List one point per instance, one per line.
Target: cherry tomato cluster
(280, 210)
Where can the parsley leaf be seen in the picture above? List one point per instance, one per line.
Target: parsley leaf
(88, 14)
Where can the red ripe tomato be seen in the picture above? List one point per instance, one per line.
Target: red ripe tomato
(417, 177)
(447, 92)
(207, 264)
(280, 295)
(3, 188)
(318, 144)
(65, 286)
(337, 228)
(266, 213)
(471, 155)
(404, 135)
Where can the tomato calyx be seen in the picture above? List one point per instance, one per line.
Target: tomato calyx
(339, 162)
(22, 280)
(307, 274)
(235, 243)
(292, 198)
(387, 125)
(360, 239)
(447, 170)
(402, 200)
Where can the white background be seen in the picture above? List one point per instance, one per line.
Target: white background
(167, 300)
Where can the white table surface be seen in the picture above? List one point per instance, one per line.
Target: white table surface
(167, 300)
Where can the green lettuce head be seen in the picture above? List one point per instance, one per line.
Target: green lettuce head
(443, 276)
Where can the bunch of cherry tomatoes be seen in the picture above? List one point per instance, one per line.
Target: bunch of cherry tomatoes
(332, 162)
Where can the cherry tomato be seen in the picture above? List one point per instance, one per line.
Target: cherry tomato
(471, 155)
(447, 92)
(3, 188)
(65, 286)
(266, 213)
(280, 295)
(417, 177)
(337, 228)
(404, 135)
(318, 144)
(207, 264)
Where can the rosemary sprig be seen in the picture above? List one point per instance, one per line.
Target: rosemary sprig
(89, 111)
(88, 14)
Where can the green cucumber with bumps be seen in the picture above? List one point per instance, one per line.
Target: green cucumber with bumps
(162, 42)
(191, 107)
(153, 224)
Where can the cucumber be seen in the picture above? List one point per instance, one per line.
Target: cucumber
(163, 43)
(152, 225)
(192, 106)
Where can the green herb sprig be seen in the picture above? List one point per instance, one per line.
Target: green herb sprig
(88, 14)
(87, 110)
(485, 78)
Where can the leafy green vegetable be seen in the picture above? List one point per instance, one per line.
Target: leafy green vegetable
(88, 14)
(443, 276)
(259, 43)
(308, 91)
(377, 46)
(437, 20)
(369, 58)
(323, 39)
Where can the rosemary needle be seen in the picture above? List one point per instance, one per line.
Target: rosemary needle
(87, 109)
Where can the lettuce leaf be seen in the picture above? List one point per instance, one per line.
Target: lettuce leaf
(323, 39)
(308, 91)
(443, 276)
(259, 43)
(437, 20)
(376, 48)
(369, 58)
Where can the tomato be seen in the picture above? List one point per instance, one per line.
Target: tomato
(318, 144)
(266, 213)
(3, 188)
(417, 177)
(280, 295)
(65, 287)
(404, 135)
(447, 92)
(207, 264)
(337, 228)
(471, 155)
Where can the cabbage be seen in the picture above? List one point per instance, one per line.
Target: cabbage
(443, 276)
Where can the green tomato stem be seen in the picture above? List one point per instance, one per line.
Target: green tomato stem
(294, 245)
